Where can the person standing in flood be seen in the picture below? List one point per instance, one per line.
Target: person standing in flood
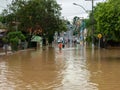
(60, 46)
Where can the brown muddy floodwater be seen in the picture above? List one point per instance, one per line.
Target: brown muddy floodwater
(71, 69)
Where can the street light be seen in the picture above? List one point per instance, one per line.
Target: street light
(82, 26)
(92, 19)
(81, 7)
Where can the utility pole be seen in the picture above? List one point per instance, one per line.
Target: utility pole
(92, 25)
(92, 20)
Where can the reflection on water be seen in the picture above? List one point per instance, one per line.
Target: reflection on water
(75, 75)
(104, 68)
(71, 69)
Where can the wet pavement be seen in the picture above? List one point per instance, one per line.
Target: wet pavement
(73, 68)
(2, 52)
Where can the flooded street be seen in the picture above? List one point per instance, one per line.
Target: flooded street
(76, 68)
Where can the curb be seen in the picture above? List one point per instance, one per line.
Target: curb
(10, 52)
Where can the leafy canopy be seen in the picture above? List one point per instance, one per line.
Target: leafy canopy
(107, 16)
(36, 16)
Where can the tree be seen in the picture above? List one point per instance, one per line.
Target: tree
(13, 38)
(36, 16)
(107, 16)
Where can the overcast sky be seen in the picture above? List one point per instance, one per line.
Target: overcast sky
(3, 4)
(68, 9)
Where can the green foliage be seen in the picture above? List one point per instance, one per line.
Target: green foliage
(1, 18)
(107, 16)
(1, 22)
(75, 19)
(5, 40)
(14, 37)
(36, 16)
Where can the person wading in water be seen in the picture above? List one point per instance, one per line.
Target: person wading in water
(60, 46)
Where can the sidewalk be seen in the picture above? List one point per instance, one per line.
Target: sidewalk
(2, 52)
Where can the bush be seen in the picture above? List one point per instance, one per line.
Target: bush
(14, 37)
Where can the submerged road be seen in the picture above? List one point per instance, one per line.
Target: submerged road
(75, 68)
